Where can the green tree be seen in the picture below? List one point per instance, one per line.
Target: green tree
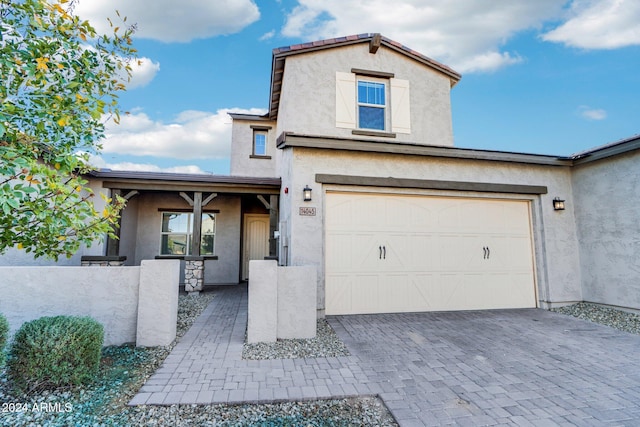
(59, 79)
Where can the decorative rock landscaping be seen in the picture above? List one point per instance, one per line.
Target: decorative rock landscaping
(325, 344)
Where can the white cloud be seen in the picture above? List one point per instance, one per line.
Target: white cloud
(99, 162)
(599, 24)
(143, 70)
(268, 36)
(464, 34)
(489, 61)
(173, 21)
(191, 135)
(592, 113)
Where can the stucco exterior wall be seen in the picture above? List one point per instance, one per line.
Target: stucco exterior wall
(227, 241)
(242, 164)
(555, 241)
(308, 98)
(133, 304)
(607, 203)
(107, 294)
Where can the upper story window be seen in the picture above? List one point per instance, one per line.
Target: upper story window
(259, 142)
(177, 231)
(260, 149)
(372, 105)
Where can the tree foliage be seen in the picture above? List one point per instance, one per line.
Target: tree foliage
(59, 79)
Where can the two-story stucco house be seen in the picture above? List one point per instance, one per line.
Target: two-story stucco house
(400, 220)
(353, 170)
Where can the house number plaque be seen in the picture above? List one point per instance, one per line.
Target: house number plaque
(306, 211)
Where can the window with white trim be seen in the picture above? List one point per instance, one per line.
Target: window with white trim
(177, 232)
(371, 101)
(259, 142)
(372, 104)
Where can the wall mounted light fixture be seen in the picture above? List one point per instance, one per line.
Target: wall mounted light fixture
(558, 204)
(306, 194)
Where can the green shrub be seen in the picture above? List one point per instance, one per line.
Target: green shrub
(4, 335)
(53, 352)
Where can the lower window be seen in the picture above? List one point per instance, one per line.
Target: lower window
(177, 233)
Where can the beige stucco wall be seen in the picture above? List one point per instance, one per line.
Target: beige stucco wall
(133, 304)
(242, 148)
(607, 206)
(227, 241)
(308, 98)
(555, 241)
(107, 294)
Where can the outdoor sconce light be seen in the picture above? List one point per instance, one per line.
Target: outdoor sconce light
(306, 194)
(558, 204)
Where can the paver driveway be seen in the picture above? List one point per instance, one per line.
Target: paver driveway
(519, 367)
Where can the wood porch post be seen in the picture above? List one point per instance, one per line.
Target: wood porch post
(197, 224)
(113, 245)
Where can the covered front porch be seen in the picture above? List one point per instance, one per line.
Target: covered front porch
(213, 224)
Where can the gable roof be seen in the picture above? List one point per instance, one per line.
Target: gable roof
(375, 41)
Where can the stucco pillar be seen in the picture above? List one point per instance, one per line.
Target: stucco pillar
(262, 324)
(158, 302)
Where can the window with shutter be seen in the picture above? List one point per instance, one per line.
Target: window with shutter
(369, 103)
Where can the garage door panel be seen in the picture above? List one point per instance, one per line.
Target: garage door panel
(427, 253)
(510, 291)
(338, 294)
(422, 253)
(365, 295)
(339, 251)
(420, 294)
(520, 254)
(460, 252)
(393, 290)
(396, 251)
(354, 215)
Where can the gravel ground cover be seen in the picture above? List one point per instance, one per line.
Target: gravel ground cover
(325, 344)
(618, 319)
(124, 369)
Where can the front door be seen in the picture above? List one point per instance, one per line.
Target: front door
(256, 240)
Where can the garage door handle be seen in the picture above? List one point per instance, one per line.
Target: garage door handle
(488, 252)
(384, 252)
(380, 254)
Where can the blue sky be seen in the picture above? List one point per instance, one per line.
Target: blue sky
(545, 76)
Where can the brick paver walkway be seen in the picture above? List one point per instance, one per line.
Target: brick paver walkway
(504, 367)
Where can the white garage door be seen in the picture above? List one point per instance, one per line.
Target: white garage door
(391, 253)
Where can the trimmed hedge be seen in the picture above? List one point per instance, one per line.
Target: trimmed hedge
(4, 335)
(53, 352)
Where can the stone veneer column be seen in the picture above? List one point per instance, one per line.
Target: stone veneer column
(102, 261)
(193, 274)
